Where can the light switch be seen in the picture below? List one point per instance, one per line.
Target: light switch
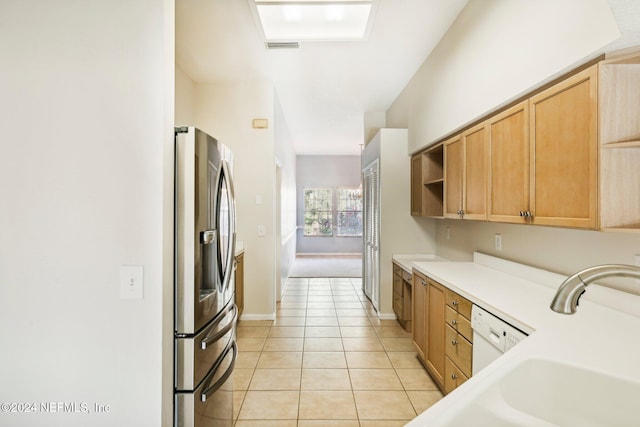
(131, 281)
(261, 231)
(258, 200)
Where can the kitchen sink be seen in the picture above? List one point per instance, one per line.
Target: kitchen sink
(540, 392)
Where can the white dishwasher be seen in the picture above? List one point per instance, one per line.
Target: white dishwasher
(491, 338)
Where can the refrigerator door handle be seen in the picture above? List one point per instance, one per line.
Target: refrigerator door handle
(230, 255)
(215, 337)
(208, 237)
(209, 389)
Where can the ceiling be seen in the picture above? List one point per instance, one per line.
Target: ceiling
(324, 88)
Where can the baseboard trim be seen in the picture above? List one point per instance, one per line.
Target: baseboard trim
(329, 254)
(249, 316)
(387, 316)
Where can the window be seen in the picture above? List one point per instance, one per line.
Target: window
(349, 212)
(318, 212)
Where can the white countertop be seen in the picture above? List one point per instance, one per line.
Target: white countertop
(597, 337)
(406, 260)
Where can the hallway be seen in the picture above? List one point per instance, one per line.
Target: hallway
(327, 360)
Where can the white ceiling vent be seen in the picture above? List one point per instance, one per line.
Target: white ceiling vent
(282, 45)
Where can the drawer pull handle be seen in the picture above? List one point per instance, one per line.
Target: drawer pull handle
(454, 377)
(454, 303)
(454, 322)
(454, 342)
(424, 283)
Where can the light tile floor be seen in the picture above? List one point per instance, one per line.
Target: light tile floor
(327, 360)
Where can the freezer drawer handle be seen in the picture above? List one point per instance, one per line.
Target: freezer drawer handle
(207, 237)
(213, 388)
(223, 331)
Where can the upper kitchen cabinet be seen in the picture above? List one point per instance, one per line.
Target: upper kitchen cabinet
(619, 125)
(564, 153)
(453, 172)
(433, 181)
(475, 172)
(509, 164)
(427, 182)
(465, 171)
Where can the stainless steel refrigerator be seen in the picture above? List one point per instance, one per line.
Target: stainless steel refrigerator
(205, 312)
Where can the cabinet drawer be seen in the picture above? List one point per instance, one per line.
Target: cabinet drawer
(397, 285)
(458, 349)
(453, 377)
(406, 276)
(458, 303)
(459, 323)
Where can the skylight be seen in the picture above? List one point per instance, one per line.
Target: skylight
(326, 20)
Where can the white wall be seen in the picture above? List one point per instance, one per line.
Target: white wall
(496, 50)
(286, 156)
(185, 94)
(86, 113)
(226, 111)
(560, 250)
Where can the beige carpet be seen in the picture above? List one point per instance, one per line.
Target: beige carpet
(327, 266)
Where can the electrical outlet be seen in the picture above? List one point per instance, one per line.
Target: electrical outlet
(498, 242)
(447, 233)
(261, 231)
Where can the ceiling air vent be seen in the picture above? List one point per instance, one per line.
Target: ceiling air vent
(282, 45)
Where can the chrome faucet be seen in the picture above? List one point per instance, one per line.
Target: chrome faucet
(566, 299)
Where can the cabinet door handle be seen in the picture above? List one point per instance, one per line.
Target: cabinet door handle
(423, 283)
(454, 322)
(454, 303)
(454, 342)
(454, 377)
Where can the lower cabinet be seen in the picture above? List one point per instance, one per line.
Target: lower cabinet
(239, 292)
(442, 332)
(418, 314)
(402, 296)
(435, 331)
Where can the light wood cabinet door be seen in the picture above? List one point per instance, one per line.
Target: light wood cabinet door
(509, 164)
(418, 314)
(474, 192)
(453, 174)
(435, 331)
(563, 137)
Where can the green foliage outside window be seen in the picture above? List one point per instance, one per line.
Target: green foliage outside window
(349, 211)
(318, 212)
